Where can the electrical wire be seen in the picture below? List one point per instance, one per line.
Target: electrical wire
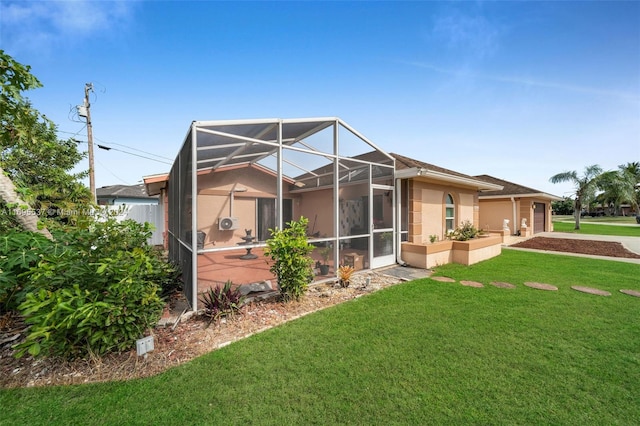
(73, 113)
(110, 172)
(134, 149)
(108, 148)
(73, 134)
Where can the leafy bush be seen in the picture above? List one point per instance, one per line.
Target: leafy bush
(465, 231)
(564, 207)
(19, 252)
(289, 249)
(97, 292)
(222, 301)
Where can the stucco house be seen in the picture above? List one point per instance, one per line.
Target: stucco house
(527, 210)
(234, 180)
(136, 203)
(435, 201)
(114, 195)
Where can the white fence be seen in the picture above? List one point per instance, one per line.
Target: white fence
(143, 213)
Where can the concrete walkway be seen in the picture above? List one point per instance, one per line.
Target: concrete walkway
(630, 243)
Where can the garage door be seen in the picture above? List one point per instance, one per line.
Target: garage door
(539, 213)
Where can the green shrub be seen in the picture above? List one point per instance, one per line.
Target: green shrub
(97, 292)
(221, 301)
(292, 265)
(465, 231)
(19, 252)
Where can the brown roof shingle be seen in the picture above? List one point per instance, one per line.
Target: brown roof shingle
(403, 162)
(509, 188)
(123, 191)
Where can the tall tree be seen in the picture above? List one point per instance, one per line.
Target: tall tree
(31, 156)
(618, 187)
(17, 210)
(585, 186)
(632, 173)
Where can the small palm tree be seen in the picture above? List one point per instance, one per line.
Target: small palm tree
(585, 186)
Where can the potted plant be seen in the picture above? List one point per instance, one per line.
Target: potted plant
(383, 243)
(325, 253)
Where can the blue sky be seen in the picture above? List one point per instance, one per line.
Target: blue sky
(517, 90)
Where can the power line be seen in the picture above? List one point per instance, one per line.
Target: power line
(114, 143)
(73, 134)
(134, 149)
(108, 148)
(112, 174)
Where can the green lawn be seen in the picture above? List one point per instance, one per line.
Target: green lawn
(589, 219)
(598, 229)
(419, 353)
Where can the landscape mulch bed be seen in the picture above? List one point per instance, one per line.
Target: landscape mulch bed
(192, 338)
(598, 248)
(189, 339)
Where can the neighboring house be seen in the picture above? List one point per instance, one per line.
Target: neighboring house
(115, 195)
(157, 186)
(134, 202)
(527, 210)
(437, 202)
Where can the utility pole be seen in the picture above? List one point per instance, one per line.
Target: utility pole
(86, 112)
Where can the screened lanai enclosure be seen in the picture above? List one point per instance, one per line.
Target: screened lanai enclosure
(233, 181)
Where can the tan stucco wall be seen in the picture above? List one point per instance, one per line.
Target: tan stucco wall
(477, 254)
(524, 211)
(317, 206)
(431, 218)
(214, 202)
(464, 252)
(494, 211)
(426, 204)
(465, 208)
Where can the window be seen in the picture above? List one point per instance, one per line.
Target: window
(450, 214)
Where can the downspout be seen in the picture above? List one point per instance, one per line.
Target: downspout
(513, 203)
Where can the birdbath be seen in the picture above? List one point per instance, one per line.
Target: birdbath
(248, 240)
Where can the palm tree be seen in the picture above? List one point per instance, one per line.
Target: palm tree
(585, 186)
(618, 187)
(631, 171)
(10, 197)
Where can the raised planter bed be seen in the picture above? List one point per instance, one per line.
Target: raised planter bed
(448, 251)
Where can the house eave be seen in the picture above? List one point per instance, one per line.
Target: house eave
(529, 195)
(416, 172)
(155, 183)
